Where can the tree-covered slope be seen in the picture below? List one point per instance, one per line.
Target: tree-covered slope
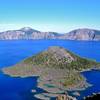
(58, 57)
(56, 66)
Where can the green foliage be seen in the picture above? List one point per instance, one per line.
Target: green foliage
(58, 59)
(48, 59)
(73, 78)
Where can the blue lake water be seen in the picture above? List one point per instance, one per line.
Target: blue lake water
(12, 52)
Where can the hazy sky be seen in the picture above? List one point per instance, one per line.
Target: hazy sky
(49, 15)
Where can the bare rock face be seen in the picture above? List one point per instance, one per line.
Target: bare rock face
(29, 33)
(60, 53)
(83, 34)
(26, 33)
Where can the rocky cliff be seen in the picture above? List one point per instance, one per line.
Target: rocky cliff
(29, 33)
(26, 33)
(82, 34)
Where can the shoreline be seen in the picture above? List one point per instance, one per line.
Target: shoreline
(84, 83)
(67, 90)
(77, 89)
(97, 69)
(91, 96)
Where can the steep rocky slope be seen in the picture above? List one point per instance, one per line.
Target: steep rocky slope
(82, 34)
(29, 33)
(26, 33)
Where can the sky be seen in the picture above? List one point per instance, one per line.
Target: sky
(49, 15)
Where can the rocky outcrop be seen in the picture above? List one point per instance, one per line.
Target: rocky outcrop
(29, 33)
(65, 97)
(82, 34)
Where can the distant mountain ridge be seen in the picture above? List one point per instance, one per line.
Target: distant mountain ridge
(83, 34)
(29, 33)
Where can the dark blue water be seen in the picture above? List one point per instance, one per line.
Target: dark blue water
(16, 88)
(93, 77)
(12, 52)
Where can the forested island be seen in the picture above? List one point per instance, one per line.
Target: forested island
(58, 69)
